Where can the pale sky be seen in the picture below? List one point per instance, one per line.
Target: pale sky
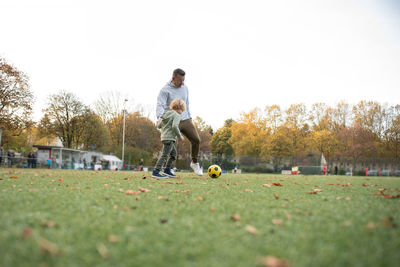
(237, 55)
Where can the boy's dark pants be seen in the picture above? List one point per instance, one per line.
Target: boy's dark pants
(187, 129)
(169, 152)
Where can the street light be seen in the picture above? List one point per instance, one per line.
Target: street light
(123, 134)
(1, 132)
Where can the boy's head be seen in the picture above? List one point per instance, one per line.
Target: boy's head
(178, 105)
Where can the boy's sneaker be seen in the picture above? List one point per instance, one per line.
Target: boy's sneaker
(157, 175)
(169, 173)
(196, 168)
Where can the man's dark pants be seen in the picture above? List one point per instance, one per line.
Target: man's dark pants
(189, 131)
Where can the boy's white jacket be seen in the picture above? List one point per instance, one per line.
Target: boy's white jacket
(169, 126)
(170, 92)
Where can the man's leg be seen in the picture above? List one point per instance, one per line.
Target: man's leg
(187, 129)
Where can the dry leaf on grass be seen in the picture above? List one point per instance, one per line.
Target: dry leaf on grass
(317, 190)
(61, 180)
(113, 239)
(276, 196)
(271, 261)
(277, 222)
(248, 190)
(131, 192)
(27, 232)
(48, 247)
(103, 251)
(251, 229)
(144, 190)
(235, 217)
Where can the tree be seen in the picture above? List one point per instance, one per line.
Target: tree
(357, 142)
(392, 132)
(273, 117)
(16, 100)
(296, 118)
(63, 117)
(249, 134)
(220, 142)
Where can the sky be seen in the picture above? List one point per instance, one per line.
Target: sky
(237, 55)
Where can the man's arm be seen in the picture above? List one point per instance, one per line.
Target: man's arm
(187, 104)
(161, 101)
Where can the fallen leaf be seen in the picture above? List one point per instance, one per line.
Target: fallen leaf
(144, 190)
(390, 196)
(235, 217)
(61, 180)
(251, 229)
(271, 261)
(277, 222)
(14, 177)
(317, 190)
(113, 239)
(212, 208)
(370, 225)
(387, 221)
(48, 224)
(276, 196)
(267, 185)
(27, 232)
(200, 198)
(348, 198)
(103, 251)
(48, 247)
(106, 185)
(248, 190)
(312, 193)
(277, 184)
(131, 192)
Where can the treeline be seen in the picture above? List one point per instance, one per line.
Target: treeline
(365, 130)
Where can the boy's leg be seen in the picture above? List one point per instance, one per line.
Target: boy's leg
(167, 146)
(172, 157)
(187, 129)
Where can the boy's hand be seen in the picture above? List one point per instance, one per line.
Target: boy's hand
(182, 139)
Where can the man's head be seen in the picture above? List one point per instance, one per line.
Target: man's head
(178, 77)
(178, 105)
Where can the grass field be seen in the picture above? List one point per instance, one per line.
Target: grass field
(86, 218)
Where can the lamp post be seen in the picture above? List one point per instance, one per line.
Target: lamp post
(1, 132)
(123, 134)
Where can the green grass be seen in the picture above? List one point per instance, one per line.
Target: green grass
(81, 222)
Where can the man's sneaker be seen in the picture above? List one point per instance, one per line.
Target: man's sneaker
(196, 168)
(169, 173)
(157, 175)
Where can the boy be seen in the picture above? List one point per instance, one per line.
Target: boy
(169, 126)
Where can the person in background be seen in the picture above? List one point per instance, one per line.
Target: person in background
(1, 154)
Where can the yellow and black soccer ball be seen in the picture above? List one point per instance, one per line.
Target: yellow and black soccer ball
(214, 171)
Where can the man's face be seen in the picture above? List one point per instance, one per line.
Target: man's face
(178, 80)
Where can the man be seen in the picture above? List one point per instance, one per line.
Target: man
(176, 88)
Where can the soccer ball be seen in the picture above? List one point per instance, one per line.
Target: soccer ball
(214, 171)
